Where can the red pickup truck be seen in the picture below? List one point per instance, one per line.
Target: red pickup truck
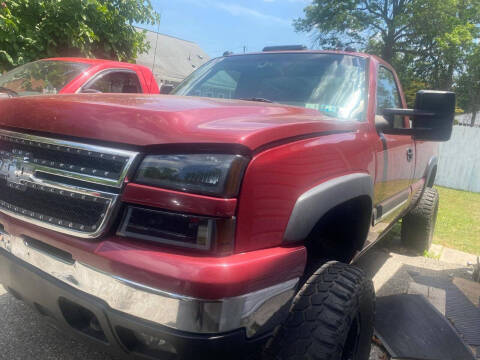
(224, 219)
(77, 75)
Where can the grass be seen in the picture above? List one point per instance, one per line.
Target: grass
(431, 255)
(458, 221)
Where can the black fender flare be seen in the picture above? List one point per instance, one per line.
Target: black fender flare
(430, 172)
(429, 175)
(313, 204)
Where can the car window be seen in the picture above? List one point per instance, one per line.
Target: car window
(115, 82)
(330, 83)
(388, 95)
(42, 77)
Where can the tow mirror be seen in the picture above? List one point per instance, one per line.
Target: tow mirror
(432, 117)
(166, 89)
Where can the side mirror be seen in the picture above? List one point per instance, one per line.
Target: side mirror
(166, 89)
(432, 117)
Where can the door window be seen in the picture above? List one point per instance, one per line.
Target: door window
(388, 96)
(114, 82)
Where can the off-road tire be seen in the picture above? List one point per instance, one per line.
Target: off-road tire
(334, 306)
(418, 225)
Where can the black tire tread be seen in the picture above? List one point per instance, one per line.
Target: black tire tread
(320, 315)
(418, 225)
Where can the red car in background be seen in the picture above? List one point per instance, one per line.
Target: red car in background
(77, 75)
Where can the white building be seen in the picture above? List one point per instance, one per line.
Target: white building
(174, 58)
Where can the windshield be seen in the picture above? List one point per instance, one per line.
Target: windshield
(41, 77)
(331, 83)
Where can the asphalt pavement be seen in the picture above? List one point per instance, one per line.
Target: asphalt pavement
(25, 336)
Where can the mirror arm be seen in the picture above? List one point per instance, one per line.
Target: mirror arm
(407, 112)
(402, 131)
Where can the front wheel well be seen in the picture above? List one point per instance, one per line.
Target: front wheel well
(341, 232)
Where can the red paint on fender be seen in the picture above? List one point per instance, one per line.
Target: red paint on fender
(277, 177)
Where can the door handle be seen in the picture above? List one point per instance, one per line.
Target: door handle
(409, 154)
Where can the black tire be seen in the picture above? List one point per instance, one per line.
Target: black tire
(331, 317)
(418, 225)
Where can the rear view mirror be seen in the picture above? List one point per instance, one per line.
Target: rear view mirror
(432, 117)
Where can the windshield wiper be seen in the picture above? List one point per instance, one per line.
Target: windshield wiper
(257, 99)
(10, 92)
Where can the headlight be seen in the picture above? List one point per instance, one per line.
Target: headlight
(209, 174)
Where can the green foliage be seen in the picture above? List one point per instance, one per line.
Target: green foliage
(33, 29)
(468, 84)
(429, 42)
(379, 24)
(443, 38)
(411, 88)
(431, 255)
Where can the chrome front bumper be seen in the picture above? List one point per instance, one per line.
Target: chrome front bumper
(257, 311)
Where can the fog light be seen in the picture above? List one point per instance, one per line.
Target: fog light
(146, 344)
(154, 343)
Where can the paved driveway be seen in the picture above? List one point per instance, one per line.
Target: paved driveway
(24, 335)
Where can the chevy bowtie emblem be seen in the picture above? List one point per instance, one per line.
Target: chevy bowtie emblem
(16, 171)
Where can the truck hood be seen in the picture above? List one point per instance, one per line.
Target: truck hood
(147, 120)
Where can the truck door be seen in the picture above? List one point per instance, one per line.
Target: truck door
(395, 154)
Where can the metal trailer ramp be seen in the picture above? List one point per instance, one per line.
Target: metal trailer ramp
(409, 327)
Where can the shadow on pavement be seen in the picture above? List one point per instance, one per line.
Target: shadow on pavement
(25, 335)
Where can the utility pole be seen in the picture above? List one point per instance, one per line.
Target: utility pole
(155, 52)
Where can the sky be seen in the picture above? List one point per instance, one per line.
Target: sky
(227, 25)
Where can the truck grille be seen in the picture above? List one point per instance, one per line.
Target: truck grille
(66, 186)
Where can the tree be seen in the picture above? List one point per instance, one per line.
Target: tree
(426, 40)
(441, 37)
(33, 29)
(380, 24)
(468, 85)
